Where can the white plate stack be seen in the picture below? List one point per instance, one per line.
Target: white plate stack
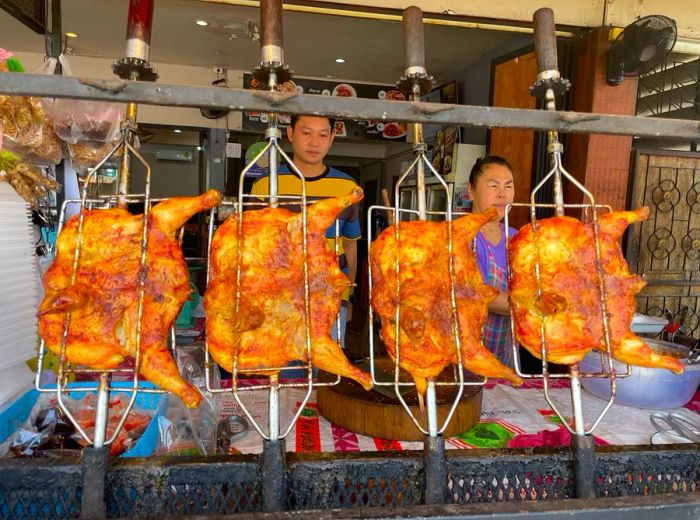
(19, 281)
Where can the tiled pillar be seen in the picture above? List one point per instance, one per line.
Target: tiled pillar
(601, 162)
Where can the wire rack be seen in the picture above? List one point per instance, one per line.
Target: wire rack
(548, 85)
(417, 82)
(273, 385)
(67, 369)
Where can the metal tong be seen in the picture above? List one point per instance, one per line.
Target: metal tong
(674, 428)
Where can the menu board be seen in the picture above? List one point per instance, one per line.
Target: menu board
(347, 128)
(443, 149)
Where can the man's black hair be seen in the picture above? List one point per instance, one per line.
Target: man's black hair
(295, 118)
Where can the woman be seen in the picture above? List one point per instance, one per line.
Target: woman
(491, 185)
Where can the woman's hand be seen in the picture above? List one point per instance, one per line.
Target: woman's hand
(500, 305)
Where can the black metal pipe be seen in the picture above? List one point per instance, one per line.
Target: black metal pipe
(413, 39)
(94, 462)
(54, 38)
(274, 476)
(545, 40)
(434, 470)
(271, 33)
(584, 465)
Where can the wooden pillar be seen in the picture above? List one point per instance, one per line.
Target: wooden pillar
(600, 162)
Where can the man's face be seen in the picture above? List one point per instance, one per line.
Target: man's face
(311, 139)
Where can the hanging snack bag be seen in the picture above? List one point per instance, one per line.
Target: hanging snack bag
(21, 116)
(74, 121)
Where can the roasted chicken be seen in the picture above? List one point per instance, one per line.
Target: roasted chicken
(103, 302)
(426, 337)
(569, 303)
(267, 328)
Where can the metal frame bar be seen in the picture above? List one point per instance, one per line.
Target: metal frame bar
(239, 99)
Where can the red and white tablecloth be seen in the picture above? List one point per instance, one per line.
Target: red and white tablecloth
(506, 413)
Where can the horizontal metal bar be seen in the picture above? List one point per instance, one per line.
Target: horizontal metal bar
(342, 107)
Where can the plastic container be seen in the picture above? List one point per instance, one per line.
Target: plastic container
(651, 388)
(17, 413)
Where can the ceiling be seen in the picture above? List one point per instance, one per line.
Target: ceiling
(373, 49)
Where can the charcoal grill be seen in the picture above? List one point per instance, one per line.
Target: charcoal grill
(632, 482)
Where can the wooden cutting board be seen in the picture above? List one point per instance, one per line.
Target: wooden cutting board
(350, 406)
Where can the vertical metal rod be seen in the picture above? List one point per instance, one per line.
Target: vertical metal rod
(419, 149)
(125, 163)
(420, 183)
(431, 401)
(434, 470)
(555, 149)
(102, 412)
(274, 408)
(576, 404)
(274, 180)
(584, 466)
(272, 134)
(54, 39)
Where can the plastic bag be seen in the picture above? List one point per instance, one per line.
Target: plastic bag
(75, 121)
(47, 152)
(85, 156)
(26, 130)
(185, 431)
(27, 180)
(136, 423)
(22, 118)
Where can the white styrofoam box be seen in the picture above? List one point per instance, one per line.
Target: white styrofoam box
(19, 282)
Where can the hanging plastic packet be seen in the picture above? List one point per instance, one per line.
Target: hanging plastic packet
(75, 121)
(21, 116)
(85, 156)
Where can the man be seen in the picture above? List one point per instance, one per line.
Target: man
(311, 138)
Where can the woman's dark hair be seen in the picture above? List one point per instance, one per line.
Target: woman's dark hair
(481, 164)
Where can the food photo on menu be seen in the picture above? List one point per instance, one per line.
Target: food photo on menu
(347, 129)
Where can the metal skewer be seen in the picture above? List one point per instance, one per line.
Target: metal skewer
(134, 67)
(548, 85)
(271, 72)
(416, 82)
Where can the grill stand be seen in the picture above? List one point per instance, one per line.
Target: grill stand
(416, 82)
(548, 85)
(94, 462)
(273, 464)
(95, 457)
(271, 72)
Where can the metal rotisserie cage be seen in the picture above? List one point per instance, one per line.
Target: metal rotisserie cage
(65, 369)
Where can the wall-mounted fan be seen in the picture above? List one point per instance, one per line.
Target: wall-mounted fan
(641, 46)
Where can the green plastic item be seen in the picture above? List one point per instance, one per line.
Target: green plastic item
(14, 65)
(184, 319)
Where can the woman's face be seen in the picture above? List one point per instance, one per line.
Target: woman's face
(493, 188)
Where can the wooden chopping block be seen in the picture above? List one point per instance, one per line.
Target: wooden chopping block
(376, 415)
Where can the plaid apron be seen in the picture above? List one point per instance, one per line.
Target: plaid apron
(496, 335)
